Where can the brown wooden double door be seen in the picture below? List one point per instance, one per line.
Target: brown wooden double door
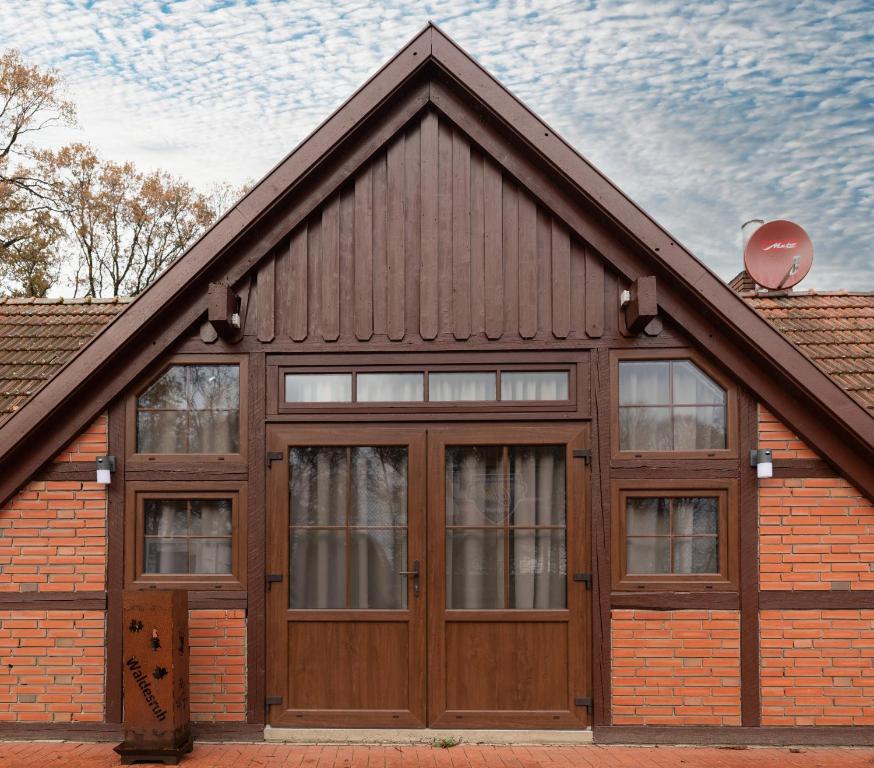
(425, 577)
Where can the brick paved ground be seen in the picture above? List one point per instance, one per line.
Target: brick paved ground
(68, 755)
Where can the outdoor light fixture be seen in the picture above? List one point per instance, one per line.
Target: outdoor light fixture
(761, 460)
(105, 468)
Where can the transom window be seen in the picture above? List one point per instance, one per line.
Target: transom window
(431, 386)
(190, 408)
(670, 405)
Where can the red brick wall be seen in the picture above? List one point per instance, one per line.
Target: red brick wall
(815, 533)
(91, 443)
(817, 667)
(51, 666)
(53, 538)
(676, 667)
(218, 665)
(782, 441)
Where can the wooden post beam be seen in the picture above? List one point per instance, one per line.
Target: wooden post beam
(643, 306)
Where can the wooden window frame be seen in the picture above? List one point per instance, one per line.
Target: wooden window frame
(669, 355)
(729, 536)
(138, 492)
(143, 384)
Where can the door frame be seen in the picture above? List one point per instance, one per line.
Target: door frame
(578, 614)
(279, 438)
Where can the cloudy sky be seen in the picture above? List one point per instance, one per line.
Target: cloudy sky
(706, 113)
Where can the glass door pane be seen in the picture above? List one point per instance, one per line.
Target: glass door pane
(506, 527)
(348, 527)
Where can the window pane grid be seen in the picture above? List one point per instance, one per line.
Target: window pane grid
(529, 560)
(363, 574)
(672, 538)
(152, 506)
(191, 408)
(658, 433)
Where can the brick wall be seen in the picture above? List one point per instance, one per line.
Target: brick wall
(676, 667)
(51, 666)
(90, 443)
(817, 667)
(53, 538)
(782, 441)
(815, 533)
(218, 665)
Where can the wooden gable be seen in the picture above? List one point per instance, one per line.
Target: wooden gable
(430, 240)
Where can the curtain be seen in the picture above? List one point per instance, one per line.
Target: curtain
(492, 494)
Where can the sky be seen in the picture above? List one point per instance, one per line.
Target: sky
(705, 113)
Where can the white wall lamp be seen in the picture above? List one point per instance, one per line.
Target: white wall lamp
(761, 460)
(105, 468)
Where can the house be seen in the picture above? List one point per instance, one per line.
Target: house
(419, 462)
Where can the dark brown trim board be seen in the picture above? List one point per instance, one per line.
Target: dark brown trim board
(115, 564)
(96, 732)
(801, 468)
(52, 601)
(71, 471)
(843, 736)
(750, 692)
(676, 601)
(817, 600)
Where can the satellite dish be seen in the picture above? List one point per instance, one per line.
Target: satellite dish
(779, 254)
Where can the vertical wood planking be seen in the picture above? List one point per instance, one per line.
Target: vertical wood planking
(347, 262)
(315, 267)
(266, 298)
(296, 288)
(561, 279)
(460, 236)
(493, 250)
(578, 288)
(428, 297)
(594, 295)
(412, 223)
(363, 261)
(444, 227)
(544, 271)
(380, 268)
(477, 245)
(395, 238)
(330, 269)
(527, 267)
(510, 198)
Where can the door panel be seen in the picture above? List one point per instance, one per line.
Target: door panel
(507, 624)
(346, 642)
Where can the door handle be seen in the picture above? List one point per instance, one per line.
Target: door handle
(415, 574)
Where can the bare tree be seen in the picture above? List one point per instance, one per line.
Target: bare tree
(125, 226)
(30, 100)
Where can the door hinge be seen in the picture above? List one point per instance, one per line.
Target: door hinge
(585, 577)
(273, 578)
(584, 702)
(270, 701)
(585, 454)
(273, 456)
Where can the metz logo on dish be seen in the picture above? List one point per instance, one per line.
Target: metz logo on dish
(780, 246)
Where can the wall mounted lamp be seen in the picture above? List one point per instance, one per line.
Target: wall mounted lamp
(105, 468)
(762, 461)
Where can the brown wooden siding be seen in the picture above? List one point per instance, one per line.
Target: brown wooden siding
(430, 240)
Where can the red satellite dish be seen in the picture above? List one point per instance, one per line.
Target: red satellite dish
(778, 255)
